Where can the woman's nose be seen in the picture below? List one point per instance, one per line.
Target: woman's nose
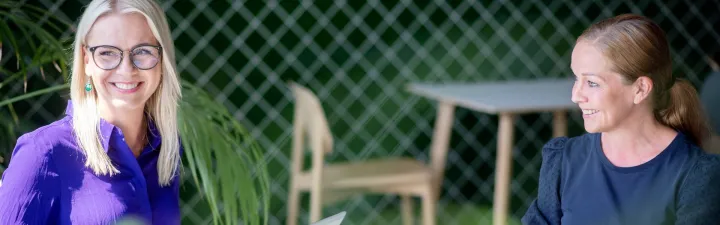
(577, 93)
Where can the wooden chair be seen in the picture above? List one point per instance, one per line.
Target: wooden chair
(328, 183)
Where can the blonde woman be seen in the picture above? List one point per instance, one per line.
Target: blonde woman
(116, 153)
(640, 162)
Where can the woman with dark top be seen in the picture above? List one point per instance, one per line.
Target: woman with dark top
(116, 153)
(640, 162)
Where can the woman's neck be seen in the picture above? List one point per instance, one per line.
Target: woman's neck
(131, 122)
(639, 139)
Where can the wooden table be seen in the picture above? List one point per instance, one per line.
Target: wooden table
(506, 98)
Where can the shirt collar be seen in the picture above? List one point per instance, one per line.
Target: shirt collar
(109, 131)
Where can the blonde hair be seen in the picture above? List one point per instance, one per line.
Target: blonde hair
(162, 105)
(636, 47)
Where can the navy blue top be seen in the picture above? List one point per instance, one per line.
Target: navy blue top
(579, 185)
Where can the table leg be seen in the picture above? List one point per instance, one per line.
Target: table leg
(503, 172)
(559, 123)
(440, 143)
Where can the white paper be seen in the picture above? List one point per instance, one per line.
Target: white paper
(333, 220)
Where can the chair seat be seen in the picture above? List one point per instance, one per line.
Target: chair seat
(370, 173)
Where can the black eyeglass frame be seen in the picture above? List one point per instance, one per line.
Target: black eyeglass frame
(122, 57)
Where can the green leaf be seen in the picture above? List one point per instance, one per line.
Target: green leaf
(28, 38)
(5, 30)
(12, 77)
(13, 114)
(37, 10)
(43, 13)
(33, 94)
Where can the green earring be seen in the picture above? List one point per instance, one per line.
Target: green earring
(88, 86)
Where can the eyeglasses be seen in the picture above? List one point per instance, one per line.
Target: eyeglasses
(143, 57)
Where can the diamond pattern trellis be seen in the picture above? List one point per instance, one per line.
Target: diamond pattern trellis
(358, 55)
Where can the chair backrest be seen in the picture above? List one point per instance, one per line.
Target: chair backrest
(310, 119)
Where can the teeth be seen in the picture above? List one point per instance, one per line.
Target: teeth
(126, 86)
(589, 111)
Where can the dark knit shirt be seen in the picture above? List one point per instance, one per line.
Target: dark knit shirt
(579, 185)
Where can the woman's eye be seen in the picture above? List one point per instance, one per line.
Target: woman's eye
(592, 84)
(141, 52)
(108, 53)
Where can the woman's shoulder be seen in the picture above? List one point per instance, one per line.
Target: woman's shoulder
(48, 137)
(566, 144)
(700, 185)
(702, 159)
(708, 164)
(38, 150)
(569, 149)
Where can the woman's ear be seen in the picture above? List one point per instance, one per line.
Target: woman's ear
(86, 56)
(86, 59)
(642, 88)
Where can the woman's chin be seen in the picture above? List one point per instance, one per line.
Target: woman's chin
(128, 104)
(592, 128)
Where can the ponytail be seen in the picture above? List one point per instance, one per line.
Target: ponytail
(682, 111)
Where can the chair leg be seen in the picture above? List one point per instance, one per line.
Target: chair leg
(407, 209)
(428, 205)
(293, 204)
(315, 204)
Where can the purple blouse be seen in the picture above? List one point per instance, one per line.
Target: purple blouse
(47, 182)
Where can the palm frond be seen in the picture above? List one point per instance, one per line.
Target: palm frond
(7, 34)
(34, 46)
(223, 159)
